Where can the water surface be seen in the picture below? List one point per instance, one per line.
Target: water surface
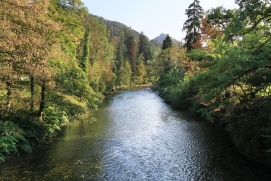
(136, 136)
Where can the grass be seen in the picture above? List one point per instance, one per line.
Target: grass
(73, 100)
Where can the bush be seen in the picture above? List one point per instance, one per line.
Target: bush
(12, 139)
(21, 132)
(177, 90)
(53, 119)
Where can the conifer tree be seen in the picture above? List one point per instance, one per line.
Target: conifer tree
(132, 52)
(85, 58)
(167, 43)
(192, 24)
(144, 47)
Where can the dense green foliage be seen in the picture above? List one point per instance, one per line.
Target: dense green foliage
(56, 62)
(228, 81)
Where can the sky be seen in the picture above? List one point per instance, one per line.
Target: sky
(152, 17)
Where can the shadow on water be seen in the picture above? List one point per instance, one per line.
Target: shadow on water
(136, 136)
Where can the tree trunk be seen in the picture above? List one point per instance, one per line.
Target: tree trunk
(81, 97)
(42, 100)
(32, 94)
(8, 105)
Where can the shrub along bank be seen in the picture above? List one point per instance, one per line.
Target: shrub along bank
(228, 80)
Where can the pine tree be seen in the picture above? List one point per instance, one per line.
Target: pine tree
(119, 60)
(132, 52)
(192, 24)
(167, 43)
(144, 47)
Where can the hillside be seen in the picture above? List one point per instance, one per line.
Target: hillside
(116, 27)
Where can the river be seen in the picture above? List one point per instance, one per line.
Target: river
(136, 136)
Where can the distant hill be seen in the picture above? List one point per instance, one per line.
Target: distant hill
(116, 27)
(158, 41)
(160, 38)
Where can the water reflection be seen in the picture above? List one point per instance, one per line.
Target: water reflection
(136, 136)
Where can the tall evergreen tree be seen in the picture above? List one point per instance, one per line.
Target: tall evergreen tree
(132, 52)
(119, 60)
(144, 47)
(167, 43)
(192, 24)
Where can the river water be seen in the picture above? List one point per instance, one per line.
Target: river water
(136, 136)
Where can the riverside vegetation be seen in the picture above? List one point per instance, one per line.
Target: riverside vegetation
(225, 74)
(57, 61)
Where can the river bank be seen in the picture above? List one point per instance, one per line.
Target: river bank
(249, 130)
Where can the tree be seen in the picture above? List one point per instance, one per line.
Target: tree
(167, 43)
(192, 24)
(257, 11)
(209, 34)
(119, 59)
(28, 35)
(219, 17)
(85, 57)
(230, 81)
(132, 53)
(251, 15)
(101, 56)
(144, 47)
(125, 74)
(13, 44)
(139, 75)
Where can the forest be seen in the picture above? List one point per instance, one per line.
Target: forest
(57, 61)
